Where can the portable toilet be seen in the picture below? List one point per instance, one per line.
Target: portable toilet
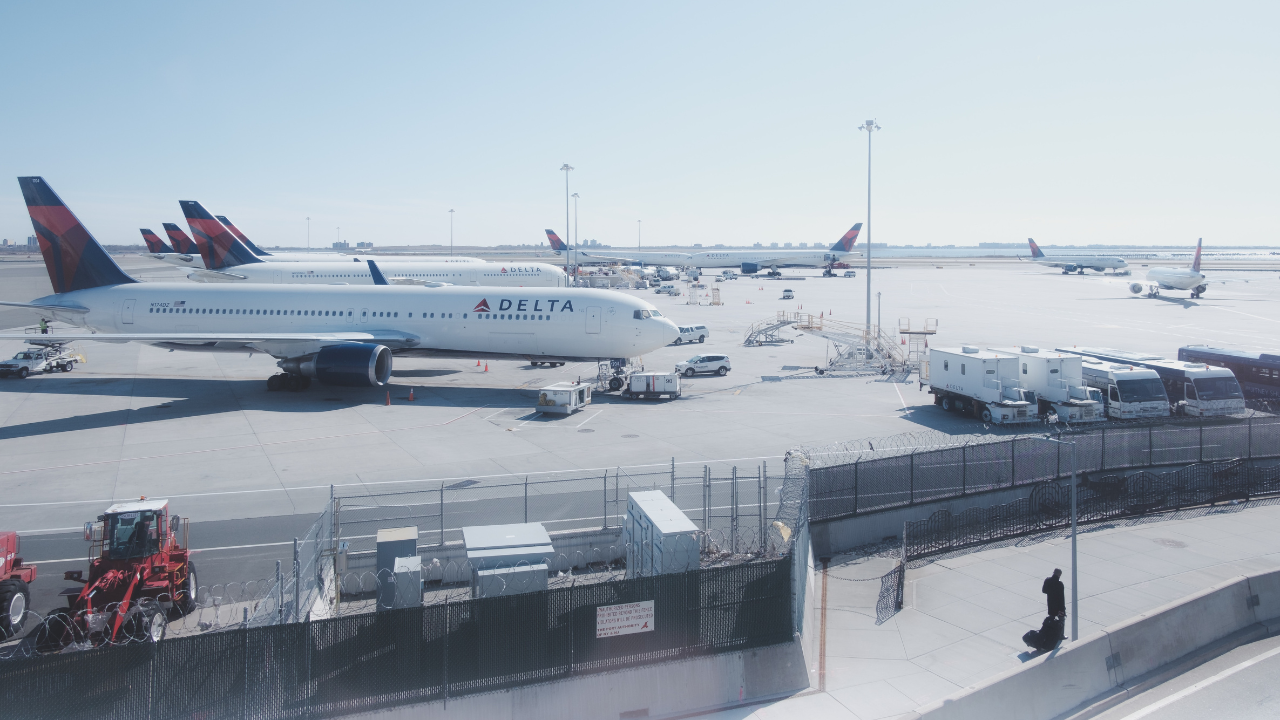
(658, 536)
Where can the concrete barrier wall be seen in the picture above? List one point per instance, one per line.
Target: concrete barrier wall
(1078, 673)
(703, 683)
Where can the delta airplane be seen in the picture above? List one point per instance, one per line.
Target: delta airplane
(337, 334)
(318, 256)
(227, 259)
(161, 251)
(1076, 263)
(678, 259)
(1163, 278)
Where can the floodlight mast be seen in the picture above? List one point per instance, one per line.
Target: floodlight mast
(870, 126)
(566, 168)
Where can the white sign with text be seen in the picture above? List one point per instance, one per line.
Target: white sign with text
(624, 619)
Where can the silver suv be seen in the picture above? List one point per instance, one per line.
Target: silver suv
(718, 364)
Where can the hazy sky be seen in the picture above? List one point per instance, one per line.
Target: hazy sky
(711, 122)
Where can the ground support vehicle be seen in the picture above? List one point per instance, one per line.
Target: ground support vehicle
(788, 294)
(1258, 372)
(1129, 392)
(1058, 382)
(652, 386)
(51, 357)
(1193, 388)
(140, 576)
(15, 576)
(967, 379)
(564, 398)
(718, 364)
(692, 333)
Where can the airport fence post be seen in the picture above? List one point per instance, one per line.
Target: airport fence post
(297, 584)
(604, 502)
(706, 502)
(964, 469)
(1151, 447)
(1013, 463)
(760, 497)
(1202, 438)
(1057, 469)
(764, 476)
(1103, 464)
(733, 513)
(280, 593)
(526, 499)
(912, 480)
(1249, 448)
(673, 480)
(616, 473)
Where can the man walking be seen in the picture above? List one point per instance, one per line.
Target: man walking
(44, 326)
(1055, 594)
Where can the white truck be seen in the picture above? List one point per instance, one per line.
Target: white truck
(1058, 382)
(1192, 388)
(652, 386)
(1129, 392)
(968, 379)
(54, 357)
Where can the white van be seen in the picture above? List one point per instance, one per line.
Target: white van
(788, 295)
(693, 333)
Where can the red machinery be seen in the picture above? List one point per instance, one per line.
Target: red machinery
(140, 575)
(15, 575)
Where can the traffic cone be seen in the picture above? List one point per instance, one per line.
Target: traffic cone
(477, 363)
(904, 341)
(388, 397)
(486, 367)
(410, 394)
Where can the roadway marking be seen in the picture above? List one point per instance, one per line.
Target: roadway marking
(584, 422)
(1166, 702)
(243, 447)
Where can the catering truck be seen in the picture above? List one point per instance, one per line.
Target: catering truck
(1056, 379)
(1128, 392)
(1193, 388)
(968, 379)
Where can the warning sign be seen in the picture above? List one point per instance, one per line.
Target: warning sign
(624, 619)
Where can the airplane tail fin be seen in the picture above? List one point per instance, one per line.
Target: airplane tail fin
(75, 260)
(556, 243)
(1035, 249)
(181, 241)
(224, 250)
(241, 237)
(846, 241)
(1195, 265)
(154, 243)
(376, 274)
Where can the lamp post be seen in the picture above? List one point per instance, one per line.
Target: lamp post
(450, 232)
(637, 236)
(575, 230)
(877, 312)
(1075, 593)
(870, 126)
(308, 234)
(567, 168)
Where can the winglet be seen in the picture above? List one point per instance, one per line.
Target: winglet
(1195, 266)
(224, 250)
(1035, 249)
(72, 256)
(376, 274)
(154, 243)
(846, 241)
(242, 238)
(556, 243)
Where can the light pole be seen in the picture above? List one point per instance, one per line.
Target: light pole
(575, 229)
(637, 236)
(308, 234)
(877, 311)
(450, 232)
(567, 168)
(870, 126)
(1075, 593)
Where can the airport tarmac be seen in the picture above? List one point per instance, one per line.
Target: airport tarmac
(252, 468)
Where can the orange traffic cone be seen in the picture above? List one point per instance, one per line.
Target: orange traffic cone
(477, 363)
(388, 397)
(904, 341)
(410, 394)
(486, 367)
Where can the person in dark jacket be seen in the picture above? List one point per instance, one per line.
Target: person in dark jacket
(1055, 593)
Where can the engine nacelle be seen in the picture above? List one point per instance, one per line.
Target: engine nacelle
(1201, 288)
(1135, 288)
(1069, 269)
(750, 268)
(346, 365)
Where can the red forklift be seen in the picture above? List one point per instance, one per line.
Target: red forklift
(140, 577)
(15, 576)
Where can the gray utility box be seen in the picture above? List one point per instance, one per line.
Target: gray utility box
(394, 545)
(659, 538)
(507, 559)
(408, 587)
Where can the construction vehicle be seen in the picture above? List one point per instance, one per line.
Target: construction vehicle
(51, 357)
(967, 379)
(15, 576)
(140, 576)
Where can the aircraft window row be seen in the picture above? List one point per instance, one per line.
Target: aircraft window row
(242, 311)
(511, 316)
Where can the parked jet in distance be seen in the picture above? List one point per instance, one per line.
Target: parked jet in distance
(1076, 263)
(155, 245)
(319, 256)
(227, 259)
(159, 250)
(1163, 278)
(643, 257)
(337, 334)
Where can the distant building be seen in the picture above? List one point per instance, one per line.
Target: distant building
(364, 245)
(758, 245)
(31, 241)
(786, 245)
(341, 246)
(773, 245)
(804, 245)
(697, 244)
(719, 244)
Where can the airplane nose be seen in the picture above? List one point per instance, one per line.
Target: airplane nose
(669, 331)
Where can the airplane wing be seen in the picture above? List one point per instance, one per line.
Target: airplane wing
(215, 275)
(46, 308)
(417, 281)
(390, 338)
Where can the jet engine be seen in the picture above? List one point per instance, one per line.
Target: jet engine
(1201, 288)
(750, 268)
(1135, 288)
(347, 365)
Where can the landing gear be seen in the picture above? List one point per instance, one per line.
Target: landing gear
(283, 381)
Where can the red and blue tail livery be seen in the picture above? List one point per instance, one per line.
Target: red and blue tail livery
(220, 248)
(181, 241)
(74, 259)
(241, 237)
(1036, 252)
(846, 241)
(154, 243)
(556, 243)
(1195, 265)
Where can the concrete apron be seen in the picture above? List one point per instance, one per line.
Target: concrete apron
(1109, 664)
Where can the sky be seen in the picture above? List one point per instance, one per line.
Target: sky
(709, 122)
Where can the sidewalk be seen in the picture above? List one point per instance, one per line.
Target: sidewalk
(964, 613)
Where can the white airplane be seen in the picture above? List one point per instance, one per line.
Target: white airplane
(678, 259)
(322, 256)
(1076, 263)
(227, 259)
(338, 334)
(1163, 278)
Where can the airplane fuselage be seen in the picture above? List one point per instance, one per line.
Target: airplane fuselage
(769, 258)
(1072, 263)
(397, 272)
(338, 257)
(1175, 278)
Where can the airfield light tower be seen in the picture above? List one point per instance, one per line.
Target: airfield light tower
(567, 168)
(870, 126)
(575, 229)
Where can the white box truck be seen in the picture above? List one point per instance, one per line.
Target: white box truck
(1128, 392)
(1058, 382)
(652, 386)
(1193, 388)
(967, 379)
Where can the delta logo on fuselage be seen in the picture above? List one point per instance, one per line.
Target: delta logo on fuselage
(523, 306)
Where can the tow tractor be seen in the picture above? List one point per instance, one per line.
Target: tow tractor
(140, 576)
(15, 576)
(49, 357)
